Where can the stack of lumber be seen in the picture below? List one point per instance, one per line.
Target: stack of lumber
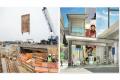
(53, 67)
(40, 64)
(40, 57)
(25, 57)
(41, 67)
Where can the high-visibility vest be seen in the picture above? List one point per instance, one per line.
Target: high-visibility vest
(49, 59)
(62, 55)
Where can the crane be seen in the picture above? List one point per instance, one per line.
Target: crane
(53, 39)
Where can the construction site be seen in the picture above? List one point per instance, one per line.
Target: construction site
(28, 58)
(29, 55)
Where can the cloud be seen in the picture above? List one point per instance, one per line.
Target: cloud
(111, 13)
(99, 31)
(100, 16)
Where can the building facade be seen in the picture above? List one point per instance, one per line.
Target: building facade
(90, 50)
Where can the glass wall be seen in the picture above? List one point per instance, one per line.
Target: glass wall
(105, 18)
(83, 55)
(113, 15)
(101, 20)
(78, 28)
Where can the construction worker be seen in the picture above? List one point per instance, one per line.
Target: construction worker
(62, 55)
(54, 58)
(49, 58)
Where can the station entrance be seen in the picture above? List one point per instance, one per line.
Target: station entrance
(91, 53)
(83, 54)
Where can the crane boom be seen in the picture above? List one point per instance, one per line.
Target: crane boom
(45, 12)
(53, 38)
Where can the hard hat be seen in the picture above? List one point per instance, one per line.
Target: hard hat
(49, 54)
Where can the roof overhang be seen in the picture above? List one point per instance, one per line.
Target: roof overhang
(76, 16)
(89, 40)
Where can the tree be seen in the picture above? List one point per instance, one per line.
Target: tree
(64, 40)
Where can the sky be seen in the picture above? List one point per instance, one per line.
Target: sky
(69, 10)
(101, 17)
(10, 23)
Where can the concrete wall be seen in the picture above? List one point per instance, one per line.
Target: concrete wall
(61, 30)
(100, 52)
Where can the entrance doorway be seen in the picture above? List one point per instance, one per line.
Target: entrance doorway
(83, 54)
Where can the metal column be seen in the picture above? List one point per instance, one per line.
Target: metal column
(70, 53)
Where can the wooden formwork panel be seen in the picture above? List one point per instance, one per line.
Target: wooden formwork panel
(41, 69)
(38, 55)
(53, 70)
(53, 50)
(41, 64)
(53, 65)
(25, 57)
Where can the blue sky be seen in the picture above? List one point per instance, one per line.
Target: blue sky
(101, 17)
(65, 11)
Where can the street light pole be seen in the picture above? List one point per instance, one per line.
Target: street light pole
(108, 17)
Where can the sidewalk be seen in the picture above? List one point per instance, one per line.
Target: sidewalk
(65, 65)
(74, 70)
(65, 69)
(89, 68)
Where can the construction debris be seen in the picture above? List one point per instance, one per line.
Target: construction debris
(17, 58)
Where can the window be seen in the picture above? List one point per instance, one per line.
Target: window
(78, 27)
(113, 15)
(101, 20)
(78, 30)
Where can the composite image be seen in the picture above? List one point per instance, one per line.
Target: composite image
(59, 40)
